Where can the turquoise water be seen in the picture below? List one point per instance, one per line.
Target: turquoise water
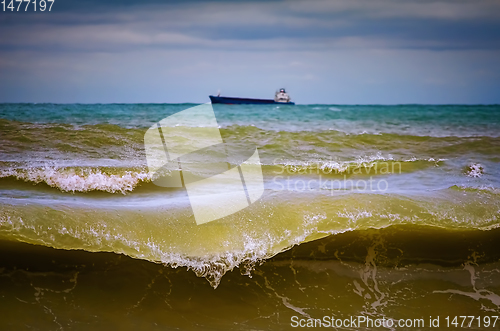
(419, 120)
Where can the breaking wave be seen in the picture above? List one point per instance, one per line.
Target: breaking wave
(125, 180)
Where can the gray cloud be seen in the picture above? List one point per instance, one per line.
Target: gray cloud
(304, 24)
(375, 45)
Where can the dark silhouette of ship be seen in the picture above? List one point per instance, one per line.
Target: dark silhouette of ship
(281, 97)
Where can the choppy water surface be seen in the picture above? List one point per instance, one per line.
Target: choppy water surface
(379, 211)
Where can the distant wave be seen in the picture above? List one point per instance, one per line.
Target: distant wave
(369, 165)
(62, 141)
(12, 127)
(125, 180)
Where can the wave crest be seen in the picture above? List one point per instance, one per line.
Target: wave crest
(80, 179)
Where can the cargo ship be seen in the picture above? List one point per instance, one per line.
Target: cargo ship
(280, 97)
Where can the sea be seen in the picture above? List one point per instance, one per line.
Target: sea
(387, 215)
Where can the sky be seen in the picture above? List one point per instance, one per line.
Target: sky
(322, 52)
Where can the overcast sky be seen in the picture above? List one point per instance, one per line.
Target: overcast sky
(336, 52)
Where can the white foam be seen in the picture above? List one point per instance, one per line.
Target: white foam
(79, 180)
(475, 170)
(332, 166)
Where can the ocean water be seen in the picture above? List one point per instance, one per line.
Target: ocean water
(374, 211)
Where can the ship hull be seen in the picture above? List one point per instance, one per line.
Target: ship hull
(245, 101)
